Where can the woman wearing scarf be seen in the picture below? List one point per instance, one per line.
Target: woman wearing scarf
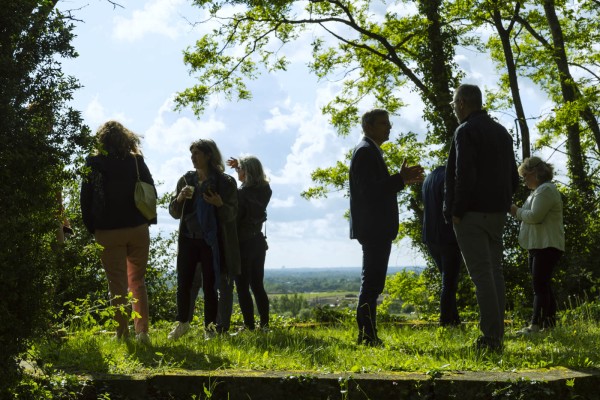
(208, 256)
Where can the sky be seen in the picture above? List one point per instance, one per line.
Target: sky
(131, 65)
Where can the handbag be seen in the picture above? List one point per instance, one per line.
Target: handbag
(144, 196)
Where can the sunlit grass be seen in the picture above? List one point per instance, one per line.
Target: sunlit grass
(327, 349)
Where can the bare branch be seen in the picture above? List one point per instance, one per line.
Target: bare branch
(585, 69)
(115, 4)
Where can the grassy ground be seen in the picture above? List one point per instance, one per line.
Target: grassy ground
(326, 349)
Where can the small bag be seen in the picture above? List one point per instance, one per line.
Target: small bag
(144, 196)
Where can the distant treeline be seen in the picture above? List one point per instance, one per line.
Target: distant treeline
(305, 280)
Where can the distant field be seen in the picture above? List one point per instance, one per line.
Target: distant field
(317, 282)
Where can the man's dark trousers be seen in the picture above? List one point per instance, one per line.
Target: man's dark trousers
(374, 270)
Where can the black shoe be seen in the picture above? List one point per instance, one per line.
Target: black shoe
(369, 342)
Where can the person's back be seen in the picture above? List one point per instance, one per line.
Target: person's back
(482, 175)
(493, 165)
(481, 178)
(119, 178)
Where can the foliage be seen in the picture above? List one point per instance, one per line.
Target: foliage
(291, 304)
(327, 314)
(161, 275)
(38, 135)
(410, 288)
(53, 384)
(372, 56)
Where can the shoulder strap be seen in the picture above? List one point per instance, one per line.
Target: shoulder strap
(137, 170)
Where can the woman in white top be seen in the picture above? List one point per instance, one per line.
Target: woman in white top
(542, 234)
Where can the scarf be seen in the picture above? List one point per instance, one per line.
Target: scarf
(207, 217)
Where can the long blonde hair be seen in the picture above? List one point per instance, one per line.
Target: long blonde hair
(252, 167)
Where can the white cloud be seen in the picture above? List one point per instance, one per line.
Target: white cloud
(171, 132)
(155, 17)
(96, 114)
(288, 202)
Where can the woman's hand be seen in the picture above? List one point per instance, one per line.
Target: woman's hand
(213, 198)
(513, 210)
(233, 163)
(186, 193)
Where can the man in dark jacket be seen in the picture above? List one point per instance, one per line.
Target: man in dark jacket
(439, 237)
(481, 177)
(374, 215)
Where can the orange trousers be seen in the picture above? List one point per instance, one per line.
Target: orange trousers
(125, 258)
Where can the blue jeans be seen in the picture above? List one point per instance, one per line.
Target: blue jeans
(376, 256)
(447, 258)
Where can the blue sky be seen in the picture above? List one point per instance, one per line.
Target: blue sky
(131, 65)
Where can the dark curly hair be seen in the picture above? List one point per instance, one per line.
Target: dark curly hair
(115, 140)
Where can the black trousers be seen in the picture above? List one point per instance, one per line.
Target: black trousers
(447, 258)
(376, 256)
(195, 270)
(253, 253)
(542, 263)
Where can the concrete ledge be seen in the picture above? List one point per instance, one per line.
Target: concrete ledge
(258, 385)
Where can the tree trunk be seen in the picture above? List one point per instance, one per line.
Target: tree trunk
(513, 80)
(569, 93)
(438, 63)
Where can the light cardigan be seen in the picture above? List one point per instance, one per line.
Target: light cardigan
(542, 217)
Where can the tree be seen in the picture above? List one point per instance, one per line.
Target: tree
(38, 136)
(374, 57)
(412, 45)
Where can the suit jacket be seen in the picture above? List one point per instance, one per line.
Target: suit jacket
(481, 172)
(373, 195)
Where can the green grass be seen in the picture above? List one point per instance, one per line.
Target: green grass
(328, 349)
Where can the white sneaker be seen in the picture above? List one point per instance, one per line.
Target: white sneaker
(143, 338)
(180, 329)
(528, 330)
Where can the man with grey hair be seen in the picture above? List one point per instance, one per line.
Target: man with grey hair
(374, 215)
(481, 177)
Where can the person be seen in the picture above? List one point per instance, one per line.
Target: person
(441, 243)
(253, 198)
(374, 215)
(542, 234)
(481, 177)
(205, 202)
(109, 212)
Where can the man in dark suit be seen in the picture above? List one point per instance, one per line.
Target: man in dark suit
(374, 215)
(481, 177)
